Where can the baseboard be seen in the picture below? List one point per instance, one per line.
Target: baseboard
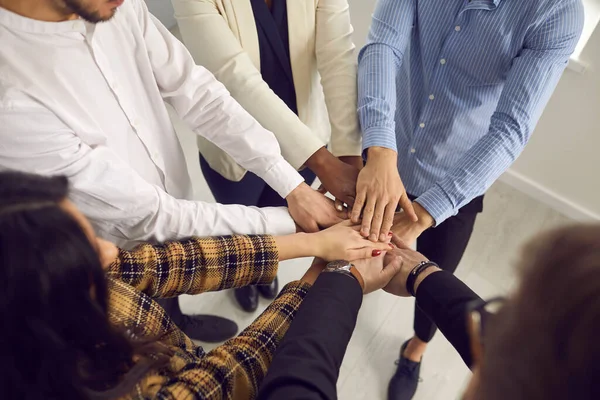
(548, 197)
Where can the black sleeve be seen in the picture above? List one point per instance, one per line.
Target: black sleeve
(444, 298)
(307, 363)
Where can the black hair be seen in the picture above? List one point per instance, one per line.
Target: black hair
(56, 341)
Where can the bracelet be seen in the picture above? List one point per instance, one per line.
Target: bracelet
(412, 276)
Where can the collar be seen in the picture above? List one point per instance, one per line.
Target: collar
(482, 4)
(18, 22)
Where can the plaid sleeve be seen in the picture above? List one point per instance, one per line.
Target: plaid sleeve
(236, 369)
(198, 265)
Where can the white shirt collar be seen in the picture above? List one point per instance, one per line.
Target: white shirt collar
(18, 22)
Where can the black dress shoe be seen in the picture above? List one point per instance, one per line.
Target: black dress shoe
(207, 328)
(269, 291)
(247, 298)
(403, 385)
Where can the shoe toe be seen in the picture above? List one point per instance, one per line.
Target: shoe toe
(247, 298)
(209, 328)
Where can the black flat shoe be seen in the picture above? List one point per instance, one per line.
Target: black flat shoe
(403, 384)
(269, 291)
(207, 328)
(247, 298)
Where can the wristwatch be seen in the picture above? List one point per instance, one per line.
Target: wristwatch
(346, 268)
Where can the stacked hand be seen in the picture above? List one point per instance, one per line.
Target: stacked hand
(344, 242)
(311, 210)
(407, 229)
(408, 260)
(379, 190)
(388, 271)
(337, 175)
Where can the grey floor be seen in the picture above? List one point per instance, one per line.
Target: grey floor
(509, 219)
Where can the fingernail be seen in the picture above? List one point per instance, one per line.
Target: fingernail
(339, 207)
(376, 253)
(390, 234)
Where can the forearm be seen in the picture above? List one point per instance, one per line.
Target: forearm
(198, 265)
(308, 360)
(444, 299)
(379, 62)
(336, 63)
(207, 107)
(245, 358)
(296, 246)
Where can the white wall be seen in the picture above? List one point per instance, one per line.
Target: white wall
(560, 165)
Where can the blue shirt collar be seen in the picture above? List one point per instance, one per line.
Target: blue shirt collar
(482, 4)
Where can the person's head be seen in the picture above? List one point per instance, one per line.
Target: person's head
(543, 342)
(93, 11)
(56, 340)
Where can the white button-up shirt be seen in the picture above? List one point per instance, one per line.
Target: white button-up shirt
(87, 101)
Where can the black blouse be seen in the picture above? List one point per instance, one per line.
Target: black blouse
(273, 41)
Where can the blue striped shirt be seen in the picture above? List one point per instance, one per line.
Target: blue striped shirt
(456, 88)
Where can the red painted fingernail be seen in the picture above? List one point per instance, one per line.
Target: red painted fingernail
(376, 253)
(390, 234)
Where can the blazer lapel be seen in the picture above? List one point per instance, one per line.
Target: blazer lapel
(298, 31)
(265, 22)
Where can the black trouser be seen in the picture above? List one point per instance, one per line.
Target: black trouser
(445, 245)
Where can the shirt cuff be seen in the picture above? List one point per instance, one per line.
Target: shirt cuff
(437, 203)
(346, 145)
(279, 221)
(379, 137)
(282, 178)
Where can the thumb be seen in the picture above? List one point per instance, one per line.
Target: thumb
(391, 268)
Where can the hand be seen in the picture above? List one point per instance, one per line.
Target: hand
(344, 242)
(408, 230)
(336, 176)
(408, 259)
(377, 272)
(311, 210)
(379, 190)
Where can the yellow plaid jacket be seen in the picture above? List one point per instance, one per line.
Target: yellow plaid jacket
(231, 371)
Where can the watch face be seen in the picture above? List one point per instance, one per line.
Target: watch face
(339, 264)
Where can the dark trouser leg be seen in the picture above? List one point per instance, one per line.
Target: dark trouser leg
(446, 245)
(173, 310)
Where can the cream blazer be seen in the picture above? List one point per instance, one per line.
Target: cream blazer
(221, 35)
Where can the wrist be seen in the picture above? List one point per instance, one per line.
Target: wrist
(382, 153)
(296, 192)
(423, 276)
(308, 245)
(319, 161)
(426, 221)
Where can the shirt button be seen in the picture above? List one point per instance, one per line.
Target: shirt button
(422, 124)
(431, 97)
(443, 61)
(413, 151)
(457, 28)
